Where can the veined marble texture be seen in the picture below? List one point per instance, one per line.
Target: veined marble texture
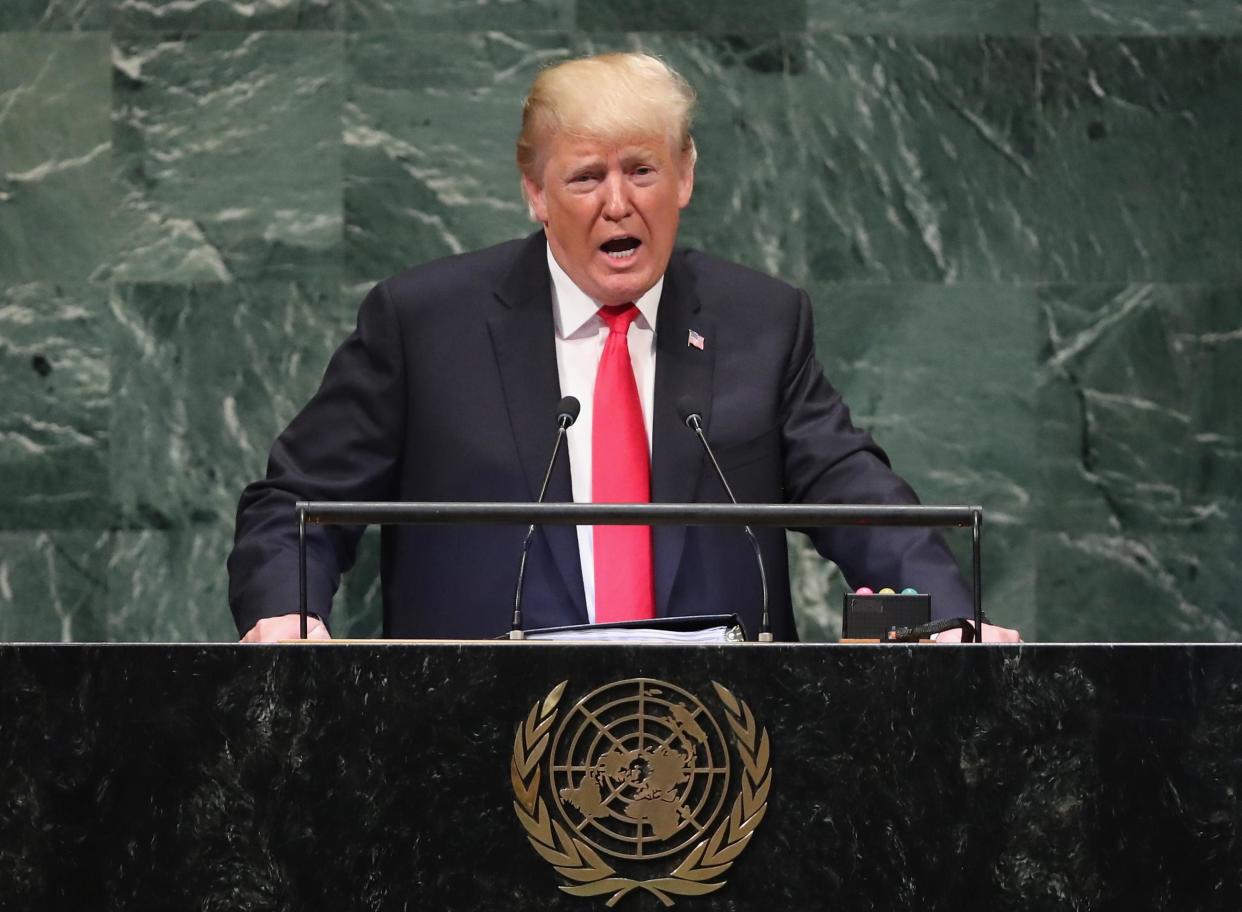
(54, 587)
(55, 376)
(941, 376)
(54, 15)
(205, 376)
(149, 585)
(920, 158)
(460, 15)
(728, 18)
(238, 15)
(1138, 145)
(429, 126)
(55, 145)
(912, 17)
(170, 585)
(1140, 17)
(227, 156)
(1019, 231)
(1140, 442)
(167, 585)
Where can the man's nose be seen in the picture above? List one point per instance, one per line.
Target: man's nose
(616, 197)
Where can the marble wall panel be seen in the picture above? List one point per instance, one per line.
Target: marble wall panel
(920, 157)
(917, 165)
(749, 130)
(172, 586)
(1140, 17)
(54, 15)
(816, 587)
(941, 376)
(227, 156)
(233, 15)
(720, 17)
(1139, 142)
(1140, 395)
(55, 390)
(1137, 586)
(169, 586)
(204, 378)
(430, 124)
(922, 17)
(54, 149)
(53, 585)
(460, 15)
(1141, 458)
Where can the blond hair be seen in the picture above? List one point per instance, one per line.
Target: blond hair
(612, 96)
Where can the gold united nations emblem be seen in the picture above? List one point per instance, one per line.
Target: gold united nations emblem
(639, 773)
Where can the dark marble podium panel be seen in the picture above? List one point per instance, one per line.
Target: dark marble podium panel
(377, 776)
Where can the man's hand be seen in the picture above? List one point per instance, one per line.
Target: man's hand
(991, 634)
(286, 627)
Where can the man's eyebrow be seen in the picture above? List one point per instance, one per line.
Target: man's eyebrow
(585, 163)
(638, 153)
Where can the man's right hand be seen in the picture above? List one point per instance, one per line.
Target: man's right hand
(286, 627)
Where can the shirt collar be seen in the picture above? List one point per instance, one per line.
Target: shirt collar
(574, 310)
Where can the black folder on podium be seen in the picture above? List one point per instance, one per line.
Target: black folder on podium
(690, 630)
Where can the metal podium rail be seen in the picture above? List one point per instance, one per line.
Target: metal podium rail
(790, 516)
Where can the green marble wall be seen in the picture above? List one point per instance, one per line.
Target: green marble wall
(1020, 222)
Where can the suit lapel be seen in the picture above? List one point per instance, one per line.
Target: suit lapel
(682, 370)
(523, 339)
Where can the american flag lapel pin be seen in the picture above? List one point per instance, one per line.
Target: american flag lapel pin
(694, 340)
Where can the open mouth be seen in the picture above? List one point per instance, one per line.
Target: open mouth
(621, 248)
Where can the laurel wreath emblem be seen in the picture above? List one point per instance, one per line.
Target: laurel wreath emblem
(707, 861)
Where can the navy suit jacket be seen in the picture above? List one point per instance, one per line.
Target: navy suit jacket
(446, 391)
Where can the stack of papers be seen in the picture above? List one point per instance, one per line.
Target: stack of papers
(699, 629)
(610, 634)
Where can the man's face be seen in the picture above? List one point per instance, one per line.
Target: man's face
(611, 210)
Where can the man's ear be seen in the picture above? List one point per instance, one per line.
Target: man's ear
(685, 181)
(534, 199)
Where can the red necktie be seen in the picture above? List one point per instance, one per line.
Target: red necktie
(620, 473)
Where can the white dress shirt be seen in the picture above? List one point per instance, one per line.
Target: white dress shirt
(580, 337)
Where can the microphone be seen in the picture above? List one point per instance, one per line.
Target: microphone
(566, 414)
(693, 419)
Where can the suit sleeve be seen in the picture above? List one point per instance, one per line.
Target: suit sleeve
(346, 444)
(830, 461)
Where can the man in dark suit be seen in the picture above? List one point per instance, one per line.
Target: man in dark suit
(447, 391)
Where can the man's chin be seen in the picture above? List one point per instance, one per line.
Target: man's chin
(624, 288)
(613, 296)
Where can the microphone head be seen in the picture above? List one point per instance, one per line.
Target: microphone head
(689, 410)
(567, 411)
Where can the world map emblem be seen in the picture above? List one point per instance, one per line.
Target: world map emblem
(635, 787)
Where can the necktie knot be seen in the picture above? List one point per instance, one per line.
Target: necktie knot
(618, 317)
